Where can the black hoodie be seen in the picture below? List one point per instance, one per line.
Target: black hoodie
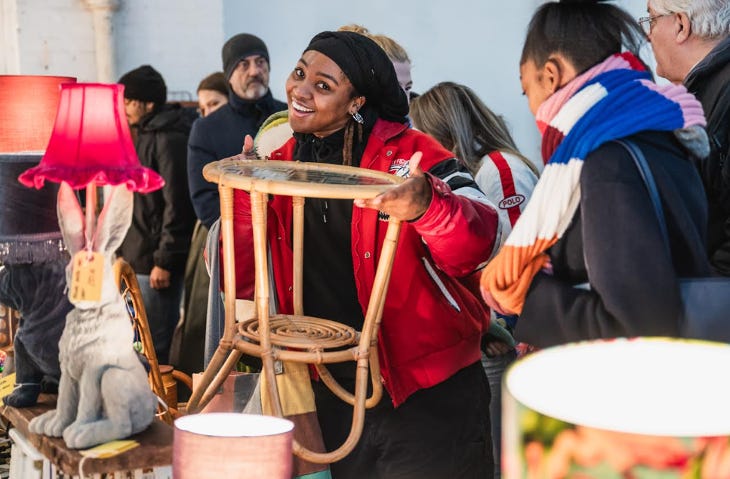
(163, 220)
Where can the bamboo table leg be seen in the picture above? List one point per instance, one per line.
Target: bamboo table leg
(225, 357)
(366, 353)
(258, 216)
(255, 336)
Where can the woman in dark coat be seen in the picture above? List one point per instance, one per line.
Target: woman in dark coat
(590, 220)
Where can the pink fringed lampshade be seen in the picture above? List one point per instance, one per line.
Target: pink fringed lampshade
(91, 143)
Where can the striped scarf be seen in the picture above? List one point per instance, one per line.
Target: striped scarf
(614, 99)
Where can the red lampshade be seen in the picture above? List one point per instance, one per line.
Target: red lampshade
(29, 104)
(91, 143)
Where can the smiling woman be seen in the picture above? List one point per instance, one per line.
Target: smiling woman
(321, 98)
(347, 107)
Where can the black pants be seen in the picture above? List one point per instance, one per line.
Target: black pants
(438, 433)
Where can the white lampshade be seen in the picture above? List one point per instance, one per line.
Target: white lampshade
(619, 408)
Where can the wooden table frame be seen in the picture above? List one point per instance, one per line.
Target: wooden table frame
(154, 450)
(237, 340)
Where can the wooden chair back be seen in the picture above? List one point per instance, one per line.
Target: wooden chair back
(129, 288)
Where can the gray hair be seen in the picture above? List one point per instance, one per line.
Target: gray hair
(710, 18)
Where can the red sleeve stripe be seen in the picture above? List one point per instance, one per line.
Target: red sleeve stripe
(508, 183)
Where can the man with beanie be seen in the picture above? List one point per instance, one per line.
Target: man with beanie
(157, 243)
(220, 134)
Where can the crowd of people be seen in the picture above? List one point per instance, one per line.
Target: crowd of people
(494, 252)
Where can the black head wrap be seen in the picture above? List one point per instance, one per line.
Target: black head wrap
(369, 70)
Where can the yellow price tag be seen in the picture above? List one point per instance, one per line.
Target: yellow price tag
(86, 277)
(7, 384)
(109, 449)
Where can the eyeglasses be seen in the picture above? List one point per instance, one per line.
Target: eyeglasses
(648, 22)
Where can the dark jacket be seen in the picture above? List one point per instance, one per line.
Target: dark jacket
(218, 136)
(163, 220)
(710, 82)
(615, 244)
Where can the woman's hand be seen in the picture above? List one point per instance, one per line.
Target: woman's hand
(159, 278)
(409, 200)
(248, 151)
(494, 348)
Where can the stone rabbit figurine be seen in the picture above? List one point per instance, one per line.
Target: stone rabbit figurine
(103, 392)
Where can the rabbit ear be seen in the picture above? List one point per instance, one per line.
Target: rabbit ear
(70, 219)
(114, 220)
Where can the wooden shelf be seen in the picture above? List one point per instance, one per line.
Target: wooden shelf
(155, 447)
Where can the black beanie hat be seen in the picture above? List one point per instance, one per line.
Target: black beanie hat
(369, 70)
(144, 84)
(239, 47)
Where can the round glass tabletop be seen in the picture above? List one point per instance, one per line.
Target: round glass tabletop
(293, 178)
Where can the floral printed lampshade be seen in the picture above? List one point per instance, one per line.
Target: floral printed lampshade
(91, 143)
(645, 407)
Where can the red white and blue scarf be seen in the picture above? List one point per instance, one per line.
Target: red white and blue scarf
(614, 99)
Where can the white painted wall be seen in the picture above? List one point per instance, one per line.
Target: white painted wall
(47, 37)
(182, 39)
(474, 42)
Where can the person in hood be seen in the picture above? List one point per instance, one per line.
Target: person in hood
(157, 243)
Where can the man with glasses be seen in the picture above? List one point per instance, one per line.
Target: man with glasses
(220, 134)
(691, 43)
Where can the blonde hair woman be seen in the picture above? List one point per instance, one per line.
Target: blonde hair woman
(455, 116)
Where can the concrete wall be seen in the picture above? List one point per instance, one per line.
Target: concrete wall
(474, 42)
(180, 38)
(47, 37)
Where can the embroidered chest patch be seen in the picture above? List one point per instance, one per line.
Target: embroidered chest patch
(511, 202)
(398, 167)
